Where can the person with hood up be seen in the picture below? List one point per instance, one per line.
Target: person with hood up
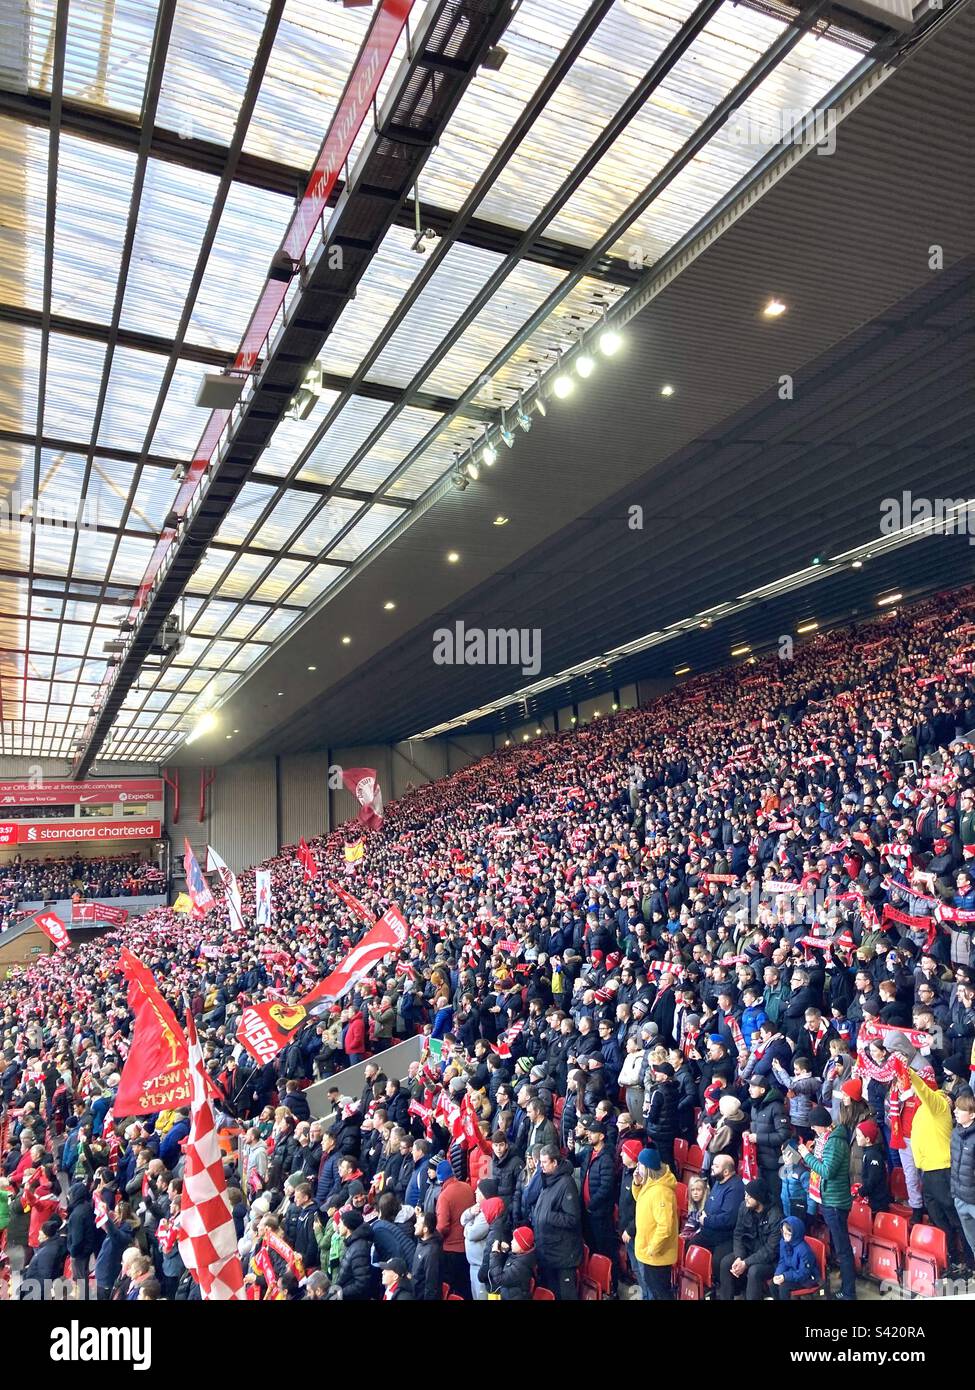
(82, 1235)
(797, 1267)
(657, 1226)
(481, 1230)
(873, 1182)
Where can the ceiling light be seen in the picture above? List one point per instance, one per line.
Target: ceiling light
(346, 641)
(203, 725)
(524, 419)
(524, 738)
(389, 605)
(229, 735)
(506, 434)
(473, 472)
(563, 386)
(500, 521)
(706, 624)
(889, 598)
(667, 390)
(452, 557)
(857, 565)
(236, 731)
(740, 651)
(585, 366)
(595, 714)
(773, 309)
(573, 720)
(489, 455)
(615, 707)
(308, 395)
(280, 692)
(538, 731)
(609, 342)
(817, 559)
(313, 668)
(507, 743)
(540, 405)
(682, 670)
(811, 626)
(752, 660)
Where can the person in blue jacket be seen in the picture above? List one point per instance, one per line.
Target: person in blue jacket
(797, 1267)
(169, 1150)
(720, 1214)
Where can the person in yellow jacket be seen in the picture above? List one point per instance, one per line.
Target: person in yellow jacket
(655, 1248)
(931, 1147)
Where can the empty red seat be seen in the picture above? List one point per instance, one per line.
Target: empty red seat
(887, 1250)
(693, 1162)
(599, 1271)
(680, 1153)
(680, 1192)
(543, 1296)
(860, 1227)
(696, 1273)
(927, 1260)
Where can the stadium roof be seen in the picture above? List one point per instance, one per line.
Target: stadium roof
(152, 154)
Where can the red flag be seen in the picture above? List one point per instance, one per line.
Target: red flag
(353, 904)
(265, 1028)
(388, 934)
(52, 926)
(155, 1075)
(362, 783)
(207, 1237)
(196, 885)
(307, 861)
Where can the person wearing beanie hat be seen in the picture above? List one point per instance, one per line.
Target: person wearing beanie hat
(874, 1182)
(454, 1198)
(829, 1184)
(751, 1262)
(629, 1151)
(657, 1225)
(511, 1266)
(660, 1109)
(354, 1278)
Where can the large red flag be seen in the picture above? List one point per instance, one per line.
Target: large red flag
(207, 1238)
(362, 783)
(389, 934)
(307, 861)
(265, 1028)
(155, 1075)
(52, 926)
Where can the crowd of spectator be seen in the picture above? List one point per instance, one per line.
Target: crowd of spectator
(731, 927)
(24, 880)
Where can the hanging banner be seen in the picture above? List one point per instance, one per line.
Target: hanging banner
(21, 832)
(196, 884)
(262, 896)
(99, 912)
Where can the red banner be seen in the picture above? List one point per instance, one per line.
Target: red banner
(156, 1072)
(52, 926)
(352, 903)
(265, 1028)
(46, 832)
(80, 793)
(389, 934)
(99, 912)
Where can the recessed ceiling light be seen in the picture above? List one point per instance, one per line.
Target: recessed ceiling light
(236, 731)
(230, 736)
(667, 390)
(280, 692)
(682, 670)
(500, 521)
(585, 366)
(563, 386)
(609, 342)
(389, 605)
(773, 309)
(811, 626)
(313, 668)
(615, 707)
(538, 731)
(857, 565)
(740, 651)
(889, 598)
(524, 738)
(346, 640)
(452, 557)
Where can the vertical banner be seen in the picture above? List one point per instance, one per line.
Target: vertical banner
(231, 888)
(262, 896)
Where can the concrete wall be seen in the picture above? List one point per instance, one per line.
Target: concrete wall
(22, 948)
(395, 1062)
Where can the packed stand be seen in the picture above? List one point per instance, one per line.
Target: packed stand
(43, 880)
(696, 990)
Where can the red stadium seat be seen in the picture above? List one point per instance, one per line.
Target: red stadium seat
(543, 1296)
(599, 1271)
(454, 1298)
(860, 1227)
(680, 1192)
(693, 1162)
(680, 1154)
(814, 1290)
(887, 1250)
(696, 1274)
(927, 1260)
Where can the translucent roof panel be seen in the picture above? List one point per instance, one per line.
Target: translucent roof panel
(23, 202)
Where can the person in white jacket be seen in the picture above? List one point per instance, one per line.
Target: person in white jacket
(630, 1076)
(480, 1231)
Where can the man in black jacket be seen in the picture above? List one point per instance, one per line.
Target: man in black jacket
(769, 1128)
(660, 1109)
(598, 1170)
(557, 1221)
(505, 1166)
(755, 1249)
(963, 1166)
(299, 1227)
(46, 1265)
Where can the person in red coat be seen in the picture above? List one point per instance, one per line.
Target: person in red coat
(41, 1198)
(354, 1039)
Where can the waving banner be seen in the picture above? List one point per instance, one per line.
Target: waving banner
(265, 1028)
(196, 884)
(362, 783)
(230, 886)
(389, 934)
(52, 926)
(156, 1072)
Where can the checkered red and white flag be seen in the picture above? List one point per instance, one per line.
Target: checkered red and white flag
(207, 1239)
